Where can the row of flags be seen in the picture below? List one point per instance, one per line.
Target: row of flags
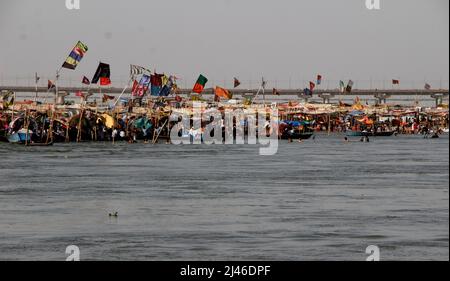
(158, 84)
(162, 85)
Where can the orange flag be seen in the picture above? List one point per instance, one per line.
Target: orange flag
(223, 93)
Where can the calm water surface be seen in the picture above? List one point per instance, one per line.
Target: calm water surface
(319, 200)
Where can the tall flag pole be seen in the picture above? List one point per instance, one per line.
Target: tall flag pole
(36, 81)
(74, 58)
(56, 88)
(261, 88)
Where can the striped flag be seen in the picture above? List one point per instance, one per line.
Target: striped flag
(75, 56)
(137, 70)
(427, 86)
(140, 89)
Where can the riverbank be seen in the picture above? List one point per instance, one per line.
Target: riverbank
(152, 120)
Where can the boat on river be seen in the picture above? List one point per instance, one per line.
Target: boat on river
(21, 136)
(296, 135)
(369, 134)
(295, 130)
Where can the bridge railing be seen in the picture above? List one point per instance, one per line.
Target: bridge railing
(28, 80)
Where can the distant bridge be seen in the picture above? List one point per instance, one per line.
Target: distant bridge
(268, 92)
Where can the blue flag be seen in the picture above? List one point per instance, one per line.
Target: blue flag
(307, 92)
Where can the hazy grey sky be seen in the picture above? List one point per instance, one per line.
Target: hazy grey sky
(282, 39)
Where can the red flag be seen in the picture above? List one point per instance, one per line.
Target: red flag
(312, 86)
(79, 94)
(105, 81)
(178, 98)
(134, 88)
(50, 85)
(138, 89)
(236, 83)
(106, 98)
(395, 82)
(86, 81)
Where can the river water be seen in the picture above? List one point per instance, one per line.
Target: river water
(322, 199)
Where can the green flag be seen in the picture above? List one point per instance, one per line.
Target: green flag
(200, 84)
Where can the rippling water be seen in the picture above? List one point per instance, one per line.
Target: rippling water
(321, 199)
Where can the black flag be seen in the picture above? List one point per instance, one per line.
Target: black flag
(103, 71)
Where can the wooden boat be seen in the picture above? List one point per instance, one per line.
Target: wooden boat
(20, 136)
(3, 137)
(383, 134)
(295, 130)
(296, 135)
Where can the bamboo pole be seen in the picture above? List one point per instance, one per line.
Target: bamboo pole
(13, 105)
(95, 127)
(50, 130)
(67, 132)
(79, 125)
(123, 91)
(36, 80)
(162, 128)
(329, 123)
(26, 125)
